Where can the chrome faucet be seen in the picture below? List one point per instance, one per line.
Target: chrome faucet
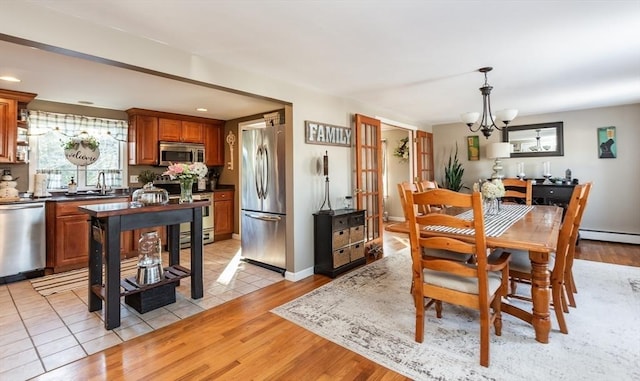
(102, 186)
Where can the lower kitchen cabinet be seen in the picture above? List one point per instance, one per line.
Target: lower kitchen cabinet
(338, 241)
(68, 232)
(223, 214)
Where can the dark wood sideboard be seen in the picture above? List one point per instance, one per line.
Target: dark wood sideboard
(552, 194)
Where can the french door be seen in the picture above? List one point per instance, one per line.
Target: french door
(424, 156)
(368, 176)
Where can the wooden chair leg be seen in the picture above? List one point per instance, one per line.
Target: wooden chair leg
(484, 338)
(514, 286)
(419, 303)
(438, 309)
(497, 320)
(570, 298)
(556, 293)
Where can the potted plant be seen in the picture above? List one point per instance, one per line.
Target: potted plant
(453, 172)
(146, 176)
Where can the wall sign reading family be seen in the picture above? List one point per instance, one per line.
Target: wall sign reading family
(327, 134)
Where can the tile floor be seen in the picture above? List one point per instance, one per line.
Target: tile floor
(38, 334)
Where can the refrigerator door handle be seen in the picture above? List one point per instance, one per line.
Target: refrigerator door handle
(265, 172)
(256, 172)
(264, 218)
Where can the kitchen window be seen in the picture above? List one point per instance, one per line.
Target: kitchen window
(49, 131)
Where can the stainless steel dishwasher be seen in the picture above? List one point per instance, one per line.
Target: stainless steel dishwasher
(22, 238)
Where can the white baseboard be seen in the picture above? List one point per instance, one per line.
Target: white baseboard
(294, 277)
(610, 236)
(396, 219)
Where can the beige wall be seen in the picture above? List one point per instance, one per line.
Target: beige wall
(613, 205)
(397, 172)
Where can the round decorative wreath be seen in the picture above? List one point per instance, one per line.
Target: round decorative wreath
(82, 150)
(402, 151)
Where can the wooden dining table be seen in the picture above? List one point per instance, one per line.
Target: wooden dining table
(537, 232)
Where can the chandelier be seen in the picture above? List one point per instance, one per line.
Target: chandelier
(487, 122)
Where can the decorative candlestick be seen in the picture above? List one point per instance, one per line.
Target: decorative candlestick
(327, 200)
(546, 172)
(521, 174)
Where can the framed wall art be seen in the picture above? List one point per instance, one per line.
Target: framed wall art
(607, 147)
(473, 148)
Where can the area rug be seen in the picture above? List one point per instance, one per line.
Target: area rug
(370, 312)
(70, 280)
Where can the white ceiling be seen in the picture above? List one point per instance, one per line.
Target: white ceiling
(414, 58)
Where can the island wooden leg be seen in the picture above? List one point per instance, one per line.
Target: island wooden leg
(173, 244)
(540, 293)
(197, 291)
(112, 274)
(96, 242)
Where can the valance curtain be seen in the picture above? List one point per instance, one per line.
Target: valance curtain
(41, 122)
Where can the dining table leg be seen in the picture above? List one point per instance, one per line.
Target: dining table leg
(541, 295)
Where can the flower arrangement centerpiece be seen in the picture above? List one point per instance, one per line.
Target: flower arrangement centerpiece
(186, 174)
(82, 150)
(492, 191)
(402, 151)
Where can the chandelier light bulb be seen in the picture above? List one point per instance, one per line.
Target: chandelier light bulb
(487, 121)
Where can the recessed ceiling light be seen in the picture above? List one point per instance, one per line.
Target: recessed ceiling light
(202, 109)
(85, 102)
(9, 79)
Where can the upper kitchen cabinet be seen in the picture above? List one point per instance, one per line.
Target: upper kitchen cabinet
(10, 103)
(214, 144)
(143, 139)
(174, 130)
(147, 128)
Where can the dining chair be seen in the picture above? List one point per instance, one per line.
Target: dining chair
(424, 209)
(425, 185)
(569, 282)
(516, 189)
(520, 265)
(480, 286)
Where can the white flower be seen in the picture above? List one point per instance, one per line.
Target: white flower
(199, 169)
(183, 171)
(492, 189)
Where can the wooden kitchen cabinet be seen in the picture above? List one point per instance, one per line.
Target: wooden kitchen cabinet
(143, 139)
(223, 214)
(67, 233)
(147, 128)
(214, 144)
(10, 102)
(175, 130)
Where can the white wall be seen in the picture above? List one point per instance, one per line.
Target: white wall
(305, 187)
(613, 205)
(397, 172)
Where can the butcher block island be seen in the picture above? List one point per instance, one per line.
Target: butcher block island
(108, 221)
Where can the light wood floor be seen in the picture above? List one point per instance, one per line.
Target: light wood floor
(242, 340)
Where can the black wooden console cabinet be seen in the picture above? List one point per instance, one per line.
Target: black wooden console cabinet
(338, 241)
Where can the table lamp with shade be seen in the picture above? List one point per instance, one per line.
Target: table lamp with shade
(498, 151)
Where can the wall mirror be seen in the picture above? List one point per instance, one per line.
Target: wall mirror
(544, 139)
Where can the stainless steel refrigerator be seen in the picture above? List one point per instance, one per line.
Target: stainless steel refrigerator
(263, 205)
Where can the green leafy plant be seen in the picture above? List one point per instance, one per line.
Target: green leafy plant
(147, 176)
(453, 172)
(87, 142)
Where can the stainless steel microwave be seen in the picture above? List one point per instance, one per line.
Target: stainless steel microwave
(180, 153)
